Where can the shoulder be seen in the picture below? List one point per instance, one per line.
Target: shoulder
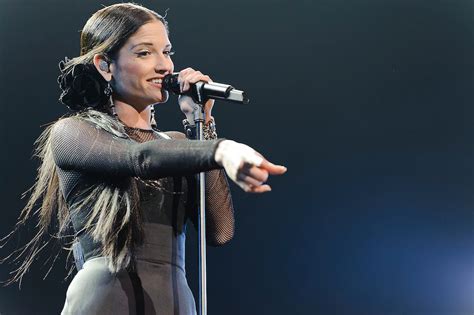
(69, 123)
(90, 122)
(67, 132)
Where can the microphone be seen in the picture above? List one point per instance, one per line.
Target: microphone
(200, 91)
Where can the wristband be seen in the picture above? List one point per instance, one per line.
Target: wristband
(208, 130)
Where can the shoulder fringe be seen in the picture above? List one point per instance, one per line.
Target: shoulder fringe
(114, 219)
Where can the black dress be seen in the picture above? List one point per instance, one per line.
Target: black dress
(163, 164)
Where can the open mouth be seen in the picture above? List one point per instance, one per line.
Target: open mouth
(156, 82)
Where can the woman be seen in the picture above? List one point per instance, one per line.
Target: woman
(126, 188)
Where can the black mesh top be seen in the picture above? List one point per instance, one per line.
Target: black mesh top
(163, 164)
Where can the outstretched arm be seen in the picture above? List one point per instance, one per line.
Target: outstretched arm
(81, 146)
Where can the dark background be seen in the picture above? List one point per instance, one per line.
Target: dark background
(368, 104)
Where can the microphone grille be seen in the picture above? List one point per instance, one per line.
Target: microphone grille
(170, 83)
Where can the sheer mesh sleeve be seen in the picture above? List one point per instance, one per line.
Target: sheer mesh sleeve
(78, 145)
(219, 209)
(220, 221)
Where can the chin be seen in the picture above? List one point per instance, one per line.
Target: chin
(163, 98)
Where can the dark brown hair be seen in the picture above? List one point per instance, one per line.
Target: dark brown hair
(115, 210)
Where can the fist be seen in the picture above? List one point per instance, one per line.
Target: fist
(187, 105)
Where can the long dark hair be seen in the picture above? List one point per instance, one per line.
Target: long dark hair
(115, 220)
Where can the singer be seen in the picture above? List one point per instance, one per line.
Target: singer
(124, 189)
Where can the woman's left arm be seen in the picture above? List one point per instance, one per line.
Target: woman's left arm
(219, 208)
(220, 223)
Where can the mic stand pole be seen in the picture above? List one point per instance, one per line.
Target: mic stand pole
(228, 93)
(199, 121)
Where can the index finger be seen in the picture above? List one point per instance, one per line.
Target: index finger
(271, 168)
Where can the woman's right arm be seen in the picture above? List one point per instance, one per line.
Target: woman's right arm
(78, 145)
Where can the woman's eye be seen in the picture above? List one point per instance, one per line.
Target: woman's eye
(143, 53)
(169, 53)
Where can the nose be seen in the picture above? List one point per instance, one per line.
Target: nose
(164, 65)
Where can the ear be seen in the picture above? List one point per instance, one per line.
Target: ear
(103, 66)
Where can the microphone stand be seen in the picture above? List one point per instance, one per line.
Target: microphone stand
(199, 121)
(201, 92)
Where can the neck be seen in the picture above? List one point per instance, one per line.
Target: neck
(133, 117)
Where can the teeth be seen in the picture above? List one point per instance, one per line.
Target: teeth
(156, 81)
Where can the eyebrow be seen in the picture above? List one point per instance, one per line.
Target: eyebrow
(149, 44)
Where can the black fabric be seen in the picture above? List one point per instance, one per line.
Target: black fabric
(164, 171)
(79, 146)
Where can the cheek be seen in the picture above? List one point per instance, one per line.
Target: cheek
(130, 75)
(133, 73)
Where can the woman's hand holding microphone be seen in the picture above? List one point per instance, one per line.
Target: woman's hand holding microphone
(244, 166)
(187, 77)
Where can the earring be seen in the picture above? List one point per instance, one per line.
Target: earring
(108, 90)
(112, 109)
(108, 93)
(152, 119)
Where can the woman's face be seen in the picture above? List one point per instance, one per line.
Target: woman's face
(140, 66)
